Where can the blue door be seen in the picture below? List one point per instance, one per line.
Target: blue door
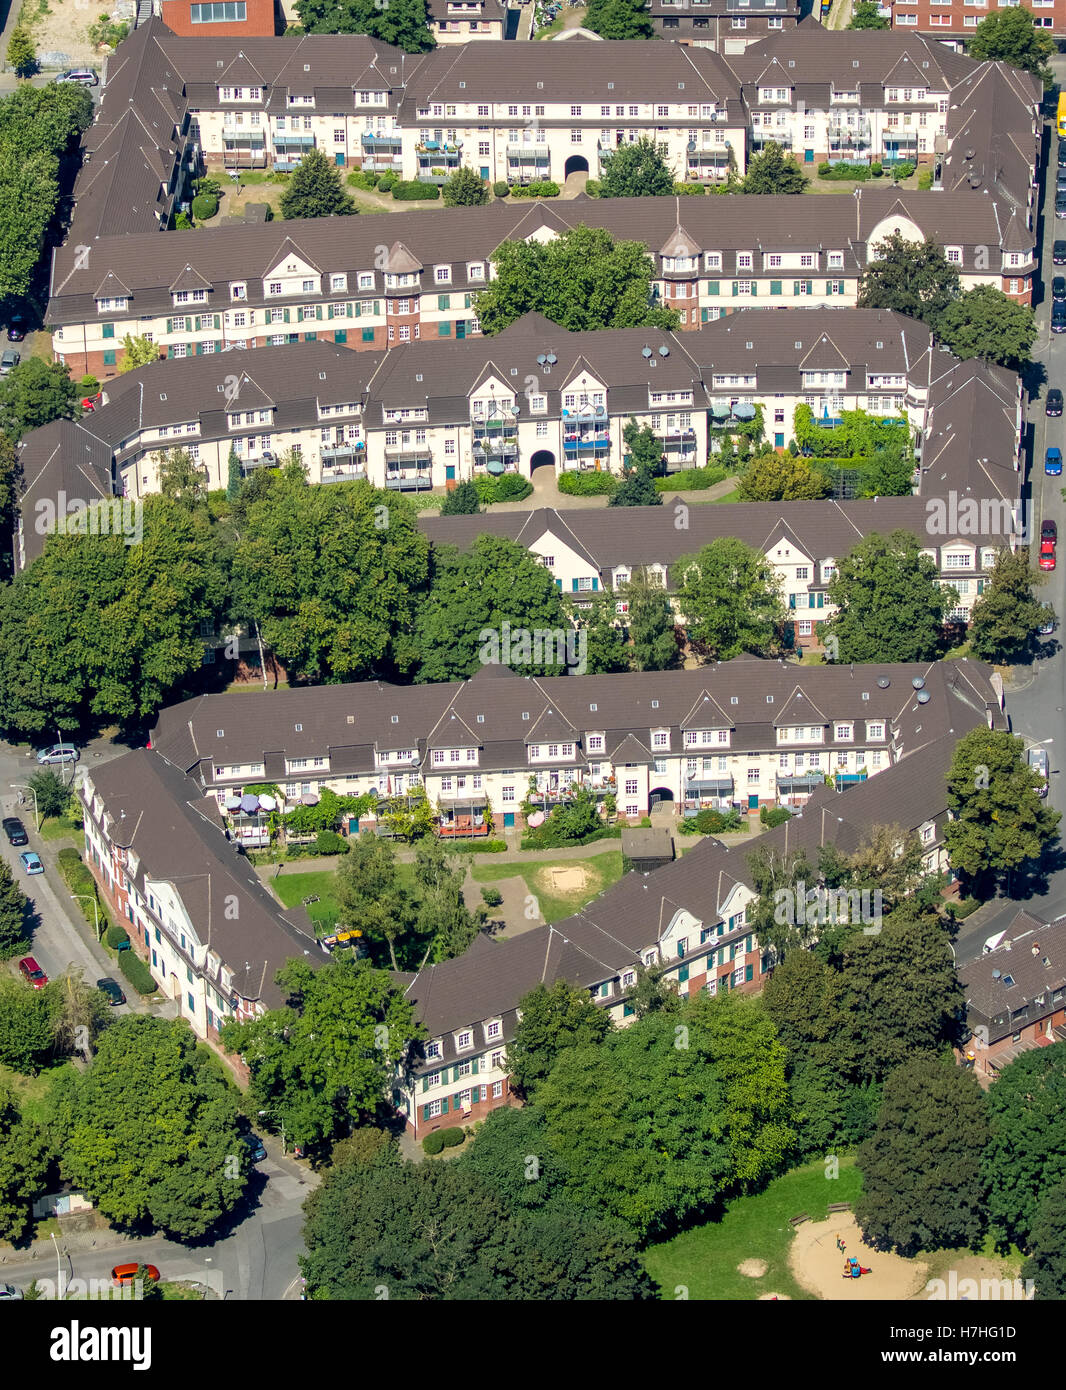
(353, 825)
(339, 158)
(808, 156)
(485, 173)
(508, 820)
(753, 802)
(449, 472)
(460, 329)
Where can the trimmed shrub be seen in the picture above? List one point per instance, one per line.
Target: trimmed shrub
(115, 936)
(366, 181)
(328, 842)
(876, 170)
(860, 172)
(477, 846)
(387, 181)
(508, 487)
(434, 1143)
(774, 815)
(204, 206)
(711, 822)
(411, 190)
(501, 188)
(592, 187)
(901, 170)
(452, 1138)
(691, 479)
(138, 974)
(689, 190)
(543, 188)
(548, 836)
(493, 897)
(182, 222)
(590, 484)
(925, 179)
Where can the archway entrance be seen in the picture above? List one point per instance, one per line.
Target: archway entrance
(576, 164)
(660, 794)
(543, 458)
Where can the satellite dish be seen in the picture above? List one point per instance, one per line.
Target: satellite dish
(551, 359)
(415, 760)
(664, 351)
(924, 697)
(883, 683)
(645, 352)
(542, 359)
(918, 682)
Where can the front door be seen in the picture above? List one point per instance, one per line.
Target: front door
(449, 472)
(485, 172)
(508, 820)
(753, 802)
(808, 156)
(339, 158)
(460, 329)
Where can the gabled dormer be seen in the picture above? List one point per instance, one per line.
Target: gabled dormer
(706, 725)
(800, 720)
(189, 288)
(111, 296)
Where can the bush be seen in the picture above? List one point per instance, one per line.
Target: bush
(508, 487)
(115, 936)
(547, 836)
(411, 190)
(711, 822)
(434, 1143)
(774, 815)
(962, 908)
(204, 206)
(328, 842)
(903, 169)
(925, 179)
(209, 187)
(689, 190)
(543, 188)
(691, 479)
(358, 179)
(477, 846)
(501, 188)
(590, 484)
(861, 172)
(387, 181)
(493, 897)
(138, 974)
(824, 168)
(182, 222)
(592, 187)
(452, 1138)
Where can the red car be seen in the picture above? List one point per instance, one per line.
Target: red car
(33, 972)
(1047, 554)
(122, 1275)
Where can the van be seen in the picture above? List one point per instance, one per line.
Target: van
(1038, 761)
(993, 942)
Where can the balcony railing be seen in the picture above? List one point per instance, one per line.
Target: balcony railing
(580, 442)
(389, 140)
(408, 455)
(383, 166)
(777, 137)
(439, 146)
(409, 480)
(528, 154)
(438, 179)
(496, 448)
(343, 475)
(239, 135)
(294, 142)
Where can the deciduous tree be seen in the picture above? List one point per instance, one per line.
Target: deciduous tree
(986, 323)
(891, 605)
(1008, 614)
(554, 1018)
(650, 623)
(24, 1159)
(636, 170)
(315, 190)
(1046, 1265)
(465, 189)
(1026, 1153)
(913, 277)
(137, 352)
(1010, 36)
(772, 171)
(730, 596)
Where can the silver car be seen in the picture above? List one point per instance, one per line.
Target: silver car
(59, 753)
(9, 359)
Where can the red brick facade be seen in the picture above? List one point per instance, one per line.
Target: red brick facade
(261, 21)
(956, 21)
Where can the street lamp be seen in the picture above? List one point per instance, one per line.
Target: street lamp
(59, 1270)
(282, 1123)
(25, 787)
(88, 897)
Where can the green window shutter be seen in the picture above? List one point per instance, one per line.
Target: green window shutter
(457, 1075)
(733, 951)
(377, 307)
(286, 316)
(829, 287)
(747, 944)
(444, 301)
(821, 599)
(704, 318)
(425, 1112)
(473, 1067)
(574, 583)
(775, 286)
(749, 972)
(188, 325)
(329, 311)
(218, 320)
(359, 310)
(349, 310)
(628, 1011)
(682, 974)
(595, 584)
(310, 337)
(368, 335)
(318, 311)
(736, 288)
(444, 330)
(810, 286)
(425, 1084)
(109, 358)
(109, 330)
(170, 325)
(792, 600)
(299, 315)
(713, 287)
(444, 1106)
(466, 301)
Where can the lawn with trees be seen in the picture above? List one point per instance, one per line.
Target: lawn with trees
(404, 23)
(315, 189)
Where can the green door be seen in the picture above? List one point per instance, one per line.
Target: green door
(460, 329)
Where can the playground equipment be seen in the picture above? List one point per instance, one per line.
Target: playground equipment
(853, 1270)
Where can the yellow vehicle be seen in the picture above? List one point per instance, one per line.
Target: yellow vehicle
(1062, 115)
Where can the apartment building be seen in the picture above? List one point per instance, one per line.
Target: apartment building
(211, 935)
(727, 26)
(953, 21)
(461, 21)
(689, 917)
(1016, 994)
(341, 280)
(223, 19)
(739, 734)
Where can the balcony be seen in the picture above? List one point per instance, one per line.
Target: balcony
(438, 179)
(759, 138)
(240, 135)
(438, 147)
(528, 154)
(303, 141)
(383, 166)
(250, 462)
(598, 441)
(341, 452)
(706, 790)
(248, 158)
(799, 783)
(390, 140)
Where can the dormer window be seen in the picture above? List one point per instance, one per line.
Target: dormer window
(475, 270)
(238, 290)
(464, 1040)
(110, 306)
(432, 1050)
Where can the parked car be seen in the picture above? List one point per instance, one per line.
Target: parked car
(31, 861)
(1053, 405)
(32, 971)
(1049, 531)
(15, 831)
(1046, 629)
(58, 753)
(1058, 253)
(9, 360)
(1060, 204)
(112, 989)
(126, 1274)
(1038, 761)
(1053, 461)
(88, 77)
(1058, 318)
(255, 1147)
(1060, 179)
(1058, 289)
(16, 328)
(1062, 153)
(9, 1291)
(1047, 555)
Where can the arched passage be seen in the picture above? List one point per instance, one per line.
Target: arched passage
(543, 458)
(576, 164)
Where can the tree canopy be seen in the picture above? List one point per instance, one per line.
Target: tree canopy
(465, 189)
(986, 323)
(1026, 1154)
(1046, 1265)
(581, 280)
(325, 1059)
(35, 392)
(179, 1173)
(650, 623)
(315, 189)
(773, 477)
(914, 277)
(772, 171)
(729, 595)
(864, 15)
(24, 1160)
(1007, 615)
(635, 169)
(891, 605)
(1010, 36)
(554, 1017)
(404, 23)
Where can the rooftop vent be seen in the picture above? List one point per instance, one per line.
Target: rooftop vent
(418, 376)
(883, 683)
(924, 697)
(664, 351)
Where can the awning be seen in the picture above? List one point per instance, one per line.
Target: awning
(458, 801)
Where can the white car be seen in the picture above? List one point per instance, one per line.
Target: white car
(9, 1291)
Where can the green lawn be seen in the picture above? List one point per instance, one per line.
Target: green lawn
(733, 496)
(62, 828)
(30, 1091)
(705, 1259)
(293, 888)
(601, 870)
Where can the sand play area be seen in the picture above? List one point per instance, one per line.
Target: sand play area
(817, 1264)
(569, 879)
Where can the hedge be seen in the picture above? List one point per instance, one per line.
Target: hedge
(387, 181)
(689, 190)
(452, 1137)
(78, 878)
(433, 1143)
(501, 188)
(411, 190)
(358, 179)
(925, 179)
(545, 188)
(859, 172)
(691, 479)
(473, 846)
(711, 822)
(138, 974)
(591, 484)
(508, 487)
(115, 936)
(539, 839)
(204, 207)
(328, 842)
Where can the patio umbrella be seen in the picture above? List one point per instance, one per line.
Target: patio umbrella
(743, 411)
(249, 803)
(537, 818)
(310, 799)
(233, 802)
(267, 802)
